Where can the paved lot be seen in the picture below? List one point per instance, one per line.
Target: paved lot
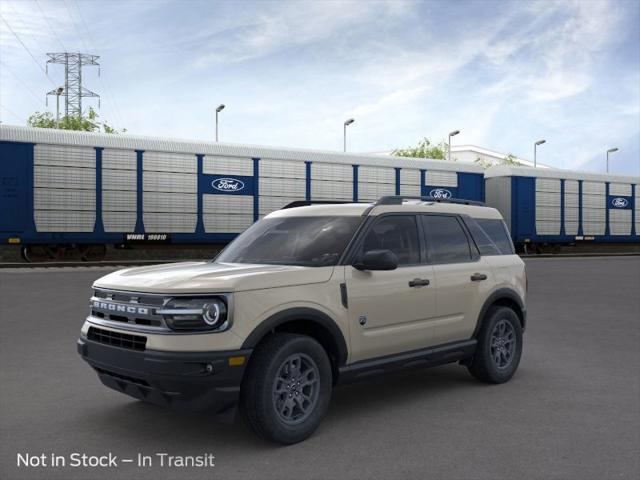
(572, 411)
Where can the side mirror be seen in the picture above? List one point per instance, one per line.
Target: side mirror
(377, 260)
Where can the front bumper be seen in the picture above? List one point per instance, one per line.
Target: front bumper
(186, 380)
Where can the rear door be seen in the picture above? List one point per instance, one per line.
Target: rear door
(14, 186)
(462, 277)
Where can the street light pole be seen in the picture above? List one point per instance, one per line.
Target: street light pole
(218, 110)
(58, 93)
(535, 152)
(611, 150)
(344, 135)
(451, 134)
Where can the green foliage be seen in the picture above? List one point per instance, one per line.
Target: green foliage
(510, 159)
(425, 149)
(88, 123)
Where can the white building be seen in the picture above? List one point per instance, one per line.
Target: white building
(470, 153)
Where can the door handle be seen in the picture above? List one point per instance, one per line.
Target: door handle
(478, 277)
(418, 282)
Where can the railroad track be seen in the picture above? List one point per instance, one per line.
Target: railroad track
(134, 263)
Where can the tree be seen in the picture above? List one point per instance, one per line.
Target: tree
(88, 123)
(425, 149)
(510, 159)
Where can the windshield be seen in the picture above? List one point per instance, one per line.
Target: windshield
(304, 241)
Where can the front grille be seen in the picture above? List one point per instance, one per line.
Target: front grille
(117, 339)
(135, 309)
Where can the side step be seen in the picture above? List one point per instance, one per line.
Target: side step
(425, 357)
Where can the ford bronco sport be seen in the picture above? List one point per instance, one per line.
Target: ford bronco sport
(310, 297)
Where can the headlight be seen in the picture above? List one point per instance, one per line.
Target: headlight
(196, 314)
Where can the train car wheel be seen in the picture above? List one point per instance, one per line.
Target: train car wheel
(93, 253)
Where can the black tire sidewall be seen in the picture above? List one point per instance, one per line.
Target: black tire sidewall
(272, 427)
(483, 355)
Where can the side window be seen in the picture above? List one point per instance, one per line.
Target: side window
(485, 245)
(446, 239)
(398, 233)
(498, 233)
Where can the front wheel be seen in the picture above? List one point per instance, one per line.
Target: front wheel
(499, 347)
(287, 388)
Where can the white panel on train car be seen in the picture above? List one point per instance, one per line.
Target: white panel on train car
(331, 171)
(170, 222)
(64, 177)
(115, 221)
(271, 204)
(623, 189)
(571, 186)
(227, 204)
(596, 188)
(119, 201)
(571, 228)
(441, 179)
(571, 218)
(285, 187)
(116, 159)
(594, 201)
(412, 190)
(119, 180)
(213, 164)
(619, 222)
(409, 176)
(170, 202)
(548, 199)
(64, 156)
(373, 191)
(331, 190)
(64, 199)
(169, 162)
(64, 221)
(226, 223)
(367, 174)
(547, 185)
(637, 209)
(547, 227)
(169, 182)
(593, 228)
(282, 169)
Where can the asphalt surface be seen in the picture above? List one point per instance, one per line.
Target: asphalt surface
(571, 411)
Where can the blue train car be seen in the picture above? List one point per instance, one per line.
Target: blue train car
(559, 207)
(62, 189)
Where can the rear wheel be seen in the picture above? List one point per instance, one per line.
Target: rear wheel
(499, 347)
(287, 388)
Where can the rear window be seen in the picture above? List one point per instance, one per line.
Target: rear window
(491, 236)
(446, 240)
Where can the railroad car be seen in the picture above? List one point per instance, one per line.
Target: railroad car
(63, 190)
(547, 208)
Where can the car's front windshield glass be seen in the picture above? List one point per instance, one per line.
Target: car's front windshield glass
(306, 241)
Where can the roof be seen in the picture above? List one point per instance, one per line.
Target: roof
(509, 171)
(135, 142)
(493, 153)
(412, 206)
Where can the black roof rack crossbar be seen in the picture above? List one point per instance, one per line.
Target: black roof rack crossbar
(306, 203)
(398, 199)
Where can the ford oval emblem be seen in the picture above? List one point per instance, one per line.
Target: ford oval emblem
(440, 193)
(227, 184)
(619, 202)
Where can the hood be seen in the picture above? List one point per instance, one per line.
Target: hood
(206, 277)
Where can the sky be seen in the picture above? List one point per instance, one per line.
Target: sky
(504, 73)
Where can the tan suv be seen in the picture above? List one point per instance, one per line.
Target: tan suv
(310, 297)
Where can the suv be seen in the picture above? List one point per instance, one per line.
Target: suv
(310, 297)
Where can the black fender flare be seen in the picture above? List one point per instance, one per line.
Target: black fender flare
(502, 294)
(305, 314)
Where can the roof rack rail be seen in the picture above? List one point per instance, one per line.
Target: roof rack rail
(398, 199)
(306, 203)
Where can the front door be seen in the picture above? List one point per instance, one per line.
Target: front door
(390, 311)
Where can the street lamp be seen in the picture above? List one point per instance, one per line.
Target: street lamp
(451, 134)
(535, 147)
(611, 150)
(344, 136)
(218, 110)
(59, 91)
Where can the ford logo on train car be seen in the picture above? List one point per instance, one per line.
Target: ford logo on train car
(227, 184)
(619, 202)
(440, 193)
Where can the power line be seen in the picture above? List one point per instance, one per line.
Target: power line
(75, 27)
(12, 113)
(44, 15)
(32, 92)
(27, 49)
(105, 82)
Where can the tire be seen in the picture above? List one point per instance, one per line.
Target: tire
(496, 358)
(275, 408)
